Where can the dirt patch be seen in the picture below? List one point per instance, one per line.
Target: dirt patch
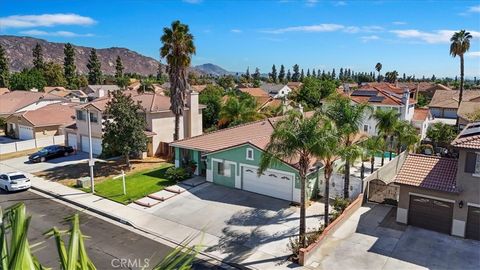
(102, 170)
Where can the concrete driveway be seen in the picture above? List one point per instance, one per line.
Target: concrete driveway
(22, 163)
(371, 239)
(249, 228)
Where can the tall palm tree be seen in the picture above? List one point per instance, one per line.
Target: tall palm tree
(373, 146)
(406, 136)
(378, 67)
(295, 137)
(386, 120)
(348, 119)
(459, 46)
(178, 49)
(237, 111)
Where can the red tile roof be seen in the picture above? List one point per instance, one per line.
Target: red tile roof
(420, 114)
(62, 114)
(469, 137)
(256, 92)
(430, 172)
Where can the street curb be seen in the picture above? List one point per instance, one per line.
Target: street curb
(126, 222)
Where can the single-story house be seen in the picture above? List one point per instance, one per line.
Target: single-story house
(43, 122)
(231, 157)
(443, 194)
(276, 90)
(444, 103)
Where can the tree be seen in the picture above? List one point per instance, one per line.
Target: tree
(125, 127)
(289, 76)
(247, 75)
(378, 67)
(94, 68)
(295, 137)
(4, 71)
(37, 56)
(146, 85)
(273, 74)
(372, 147)
(441, 133)
(460, 44)
(296, 73)
(178, 48)
(313, 91)
(281, 74)
(118, 67)
(334, 76)
(211, 97)
(391, 77)
(256, 75)
(123, 82)
(237, 111)
(302, 76)
(406, 136)
(159, 72)
(347, 118)
(386, 121)
(69, 68)
(53, 74)
(226, 82)
(28, 79)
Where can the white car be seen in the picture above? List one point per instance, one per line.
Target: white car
(14, 181)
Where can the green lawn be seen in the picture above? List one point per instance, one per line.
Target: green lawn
(138, 185)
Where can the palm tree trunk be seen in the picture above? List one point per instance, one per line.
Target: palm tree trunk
(372, 163)
(302, 232)
(177, 127)
(326, 217)
(346, 183)
(460, 97)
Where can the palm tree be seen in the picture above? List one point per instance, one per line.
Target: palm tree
(406, 135)
(378, 67)
(386, 120)
(391, 77)
(373, 146)
(178, 49)
(295, 137)
(459, 46)
(238, 111)
(347, 118)
(146, 85)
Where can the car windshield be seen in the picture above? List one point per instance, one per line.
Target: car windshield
(18, 176)
(44, 150)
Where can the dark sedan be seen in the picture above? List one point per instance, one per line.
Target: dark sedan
(50, 152)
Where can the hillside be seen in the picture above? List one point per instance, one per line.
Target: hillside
(19, 52)
(212, 69)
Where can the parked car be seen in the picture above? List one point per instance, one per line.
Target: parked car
(50, 152)
(14, 181)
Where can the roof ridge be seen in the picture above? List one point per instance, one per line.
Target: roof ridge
(388, 95)
(430, 156)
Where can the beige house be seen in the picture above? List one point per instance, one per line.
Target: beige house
(443, 194)
(43, 122)
(159, 118)
(20, 101)
(444, 105)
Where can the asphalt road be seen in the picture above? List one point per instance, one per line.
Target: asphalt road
(108, 243)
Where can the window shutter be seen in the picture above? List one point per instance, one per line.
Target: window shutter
(470, 162)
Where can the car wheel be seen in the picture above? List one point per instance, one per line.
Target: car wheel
(65, 154)
(42, 159)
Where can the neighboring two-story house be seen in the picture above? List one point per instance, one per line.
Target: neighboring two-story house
(21, 101)
(276, 90)
(444, 106)
(159, 118)
(99, 90)
(443, 194)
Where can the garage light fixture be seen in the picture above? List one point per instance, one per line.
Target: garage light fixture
(460, 204)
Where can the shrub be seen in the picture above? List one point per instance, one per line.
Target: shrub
(339, 204)
(176, 174)
(425, 149)
(311, 237)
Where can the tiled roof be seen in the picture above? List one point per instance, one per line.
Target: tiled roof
(449, 98)
(256, 92)
(389, 98)
(420, 114)
(430, 172)
(151, 102)
(469, 137)
(272, 87)
(62, 114)
(16, 100)
(467, 108)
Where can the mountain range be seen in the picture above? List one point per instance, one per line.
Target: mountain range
(19, 52)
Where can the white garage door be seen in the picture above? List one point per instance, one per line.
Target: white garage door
(96, 145)
(72, 140)
(269, 183)
(25, 133)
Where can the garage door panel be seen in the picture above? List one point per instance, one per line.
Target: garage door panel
(25, 133)
(96, 145)
(72, 140)
(269, 183)
(472, 230)
(430, 214)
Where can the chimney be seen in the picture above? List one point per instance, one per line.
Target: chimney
(193, 119)
(406, 103)
(101, 92)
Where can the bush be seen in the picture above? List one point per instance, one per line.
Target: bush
(311, 237)
(425, 149)
(339, 204)
(176, 174)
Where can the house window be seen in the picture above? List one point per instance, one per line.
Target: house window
(472, 163)
(81, 115)
(93, 117)
(477, 165)
(249, 154)
(365, 128)
(220, 169)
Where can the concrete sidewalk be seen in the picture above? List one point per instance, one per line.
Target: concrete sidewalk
(153, 224)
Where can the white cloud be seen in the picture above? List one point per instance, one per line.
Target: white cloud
(311, 3)
(35, 32)
(399, 23)
(24, 21)
(236, 31)
(365, 29)
(339, 3)
(369, 38)
(325, 27)
(439, 36)
(473, 54)
(474, 9)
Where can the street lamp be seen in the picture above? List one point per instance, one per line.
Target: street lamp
(91, 162)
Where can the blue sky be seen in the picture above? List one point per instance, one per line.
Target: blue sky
(407, 36)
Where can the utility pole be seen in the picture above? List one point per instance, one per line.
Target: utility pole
(91, 162)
